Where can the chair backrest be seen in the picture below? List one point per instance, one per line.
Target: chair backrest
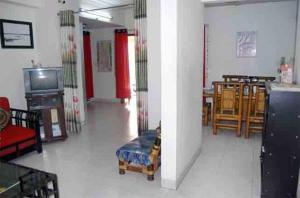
(257, 99)
(4, 104)
(228, 97)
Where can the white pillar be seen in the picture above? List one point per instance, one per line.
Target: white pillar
(154, 62)
(181, 87)
(169, 92)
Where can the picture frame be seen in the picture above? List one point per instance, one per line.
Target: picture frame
(104, 56)
(246, 44)
(16, 34)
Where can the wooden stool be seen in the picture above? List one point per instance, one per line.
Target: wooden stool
(141, 154)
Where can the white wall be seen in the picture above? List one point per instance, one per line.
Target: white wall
(128, 18)
(48, 36)
(30, 3)
(13, 60)
(104, 82)
(154, 63)
(275, 25)
(46, 31)
(181, 41)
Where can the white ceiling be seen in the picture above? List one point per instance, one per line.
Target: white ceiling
(241, 1)
(90, 17)
(92, 4)
(96, 24)
(247, 1)
(212, 3)
(95, 4)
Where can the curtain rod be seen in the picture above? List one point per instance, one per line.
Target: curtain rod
(238, 3)
(106, 8)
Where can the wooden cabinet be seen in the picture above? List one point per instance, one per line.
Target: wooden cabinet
(52, 117)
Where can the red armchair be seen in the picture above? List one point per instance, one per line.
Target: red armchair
(21, 135)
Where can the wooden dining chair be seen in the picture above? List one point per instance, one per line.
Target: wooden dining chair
(227, 105)
(206, 114)
(256, 108)
(207, 106)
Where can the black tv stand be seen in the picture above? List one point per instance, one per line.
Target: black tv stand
(51, 108)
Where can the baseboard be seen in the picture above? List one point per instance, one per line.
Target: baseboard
(83, 123)
(168, 184)
(188, 168)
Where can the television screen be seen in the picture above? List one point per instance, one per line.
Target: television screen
(43, 80)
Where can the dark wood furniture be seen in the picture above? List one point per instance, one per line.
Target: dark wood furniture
(21, 135)
(234, 78)
(50, 106)
(256, 108)
(252, 79)
(280, 153)
(228, 97)
(21, 181)
(261, 79)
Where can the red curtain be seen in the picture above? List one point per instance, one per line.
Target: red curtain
(88, 65)
(122, 64)
(204, 61)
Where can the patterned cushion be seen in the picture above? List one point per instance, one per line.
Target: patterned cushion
(138, 150)
(150, 135)
(4, 118)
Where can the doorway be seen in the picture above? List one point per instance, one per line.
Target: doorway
(132, 73)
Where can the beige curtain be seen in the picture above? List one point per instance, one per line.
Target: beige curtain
(140, 15)
(69, 63)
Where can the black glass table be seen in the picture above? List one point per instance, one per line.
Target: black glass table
(18, 181)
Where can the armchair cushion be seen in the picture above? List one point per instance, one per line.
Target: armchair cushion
(4, 118)
(15, 134)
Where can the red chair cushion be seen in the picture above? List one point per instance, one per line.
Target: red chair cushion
(4, 104)
(14, 134)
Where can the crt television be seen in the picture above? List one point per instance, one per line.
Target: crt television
(43, 80)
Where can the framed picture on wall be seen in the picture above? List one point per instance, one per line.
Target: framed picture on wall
(246, 44)
(16, 34)
(104, 56)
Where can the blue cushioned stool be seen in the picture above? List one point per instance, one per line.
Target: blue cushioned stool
(141, 154)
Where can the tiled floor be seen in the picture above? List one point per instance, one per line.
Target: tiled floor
(228, 167)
